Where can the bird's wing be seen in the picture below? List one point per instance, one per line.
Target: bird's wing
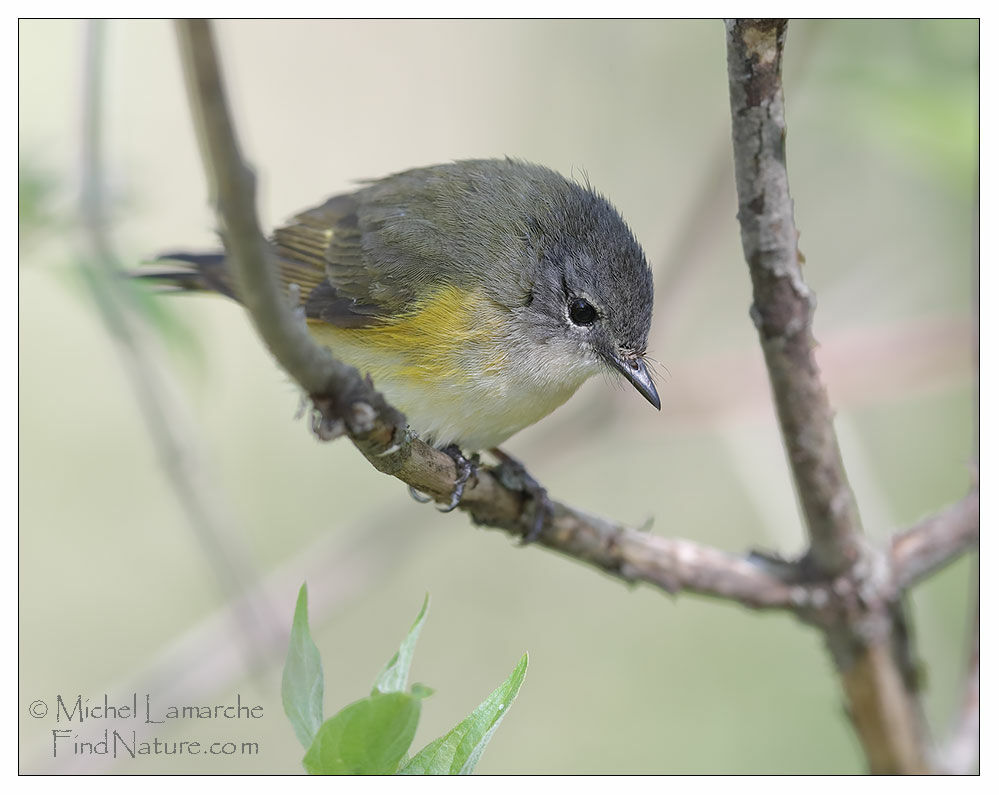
(361, 257)
(326, 242)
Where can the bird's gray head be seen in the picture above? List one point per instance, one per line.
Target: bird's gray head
(554, 252)
(592, 287)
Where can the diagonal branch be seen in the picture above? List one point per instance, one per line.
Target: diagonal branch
(233, 191)
(348, 404)
(935, 541)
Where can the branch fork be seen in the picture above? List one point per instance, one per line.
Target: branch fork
(850, 591)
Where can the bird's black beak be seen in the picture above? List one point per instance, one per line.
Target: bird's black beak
(636, 372)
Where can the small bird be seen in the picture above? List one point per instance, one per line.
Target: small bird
(478, 295)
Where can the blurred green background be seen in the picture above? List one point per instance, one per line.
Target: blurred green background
(117, 594)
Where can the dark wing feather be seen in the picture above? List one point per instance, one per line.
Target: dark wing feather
(361, 257)
(319, 251)
(316, 244)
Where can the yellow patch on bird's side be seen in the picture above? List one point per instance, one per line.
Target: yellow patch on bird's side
(456, 366)
(449, 337)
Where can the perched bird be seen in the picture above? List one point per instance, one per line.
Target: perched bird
(478, 295)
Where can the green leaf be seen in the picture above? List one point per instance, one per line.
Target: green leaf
(302, 680)
(369, 736)
(458, 751)
(393, 677)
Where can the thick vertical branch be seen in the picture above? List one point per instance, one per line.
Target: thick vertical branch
(866, 634)
(782, 302)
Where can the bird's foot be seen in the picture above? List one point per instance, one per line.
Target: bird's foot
(465, 470)
(512, 474)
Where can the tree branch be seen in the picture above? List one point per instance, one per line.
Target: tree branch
(782, 302)
(851, 592)
(233, 191)
(864, 624)
(347, 403)
(934, 542)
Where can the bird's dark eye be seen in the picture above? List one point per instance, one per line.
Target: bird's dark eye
(581, 312)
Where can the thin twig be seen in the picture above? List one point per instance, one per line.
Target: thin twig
(935, 541)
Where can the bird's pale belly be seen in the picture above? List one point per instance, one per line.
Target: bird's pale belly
(455, 374)
(473, 416)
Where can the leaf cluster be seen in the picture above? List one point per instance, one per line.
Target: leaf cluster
(373, 735)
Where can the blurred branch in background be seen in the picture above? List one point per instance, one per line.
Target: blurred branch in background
(960, 756)
(173, 438)
(211, 655)
(864, 624)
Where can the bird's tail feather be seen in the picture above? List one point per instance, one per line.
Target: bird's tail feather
(183, 271)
